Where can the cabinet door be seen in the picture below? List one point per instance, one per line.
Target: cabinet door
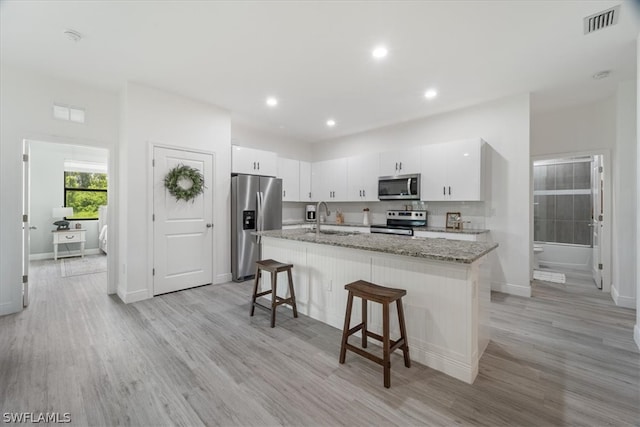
(305, 182)
(464, 170)
(253, 162)
(243, 160)
(289, 171)
(362, 177)
(320, 181)
(400, 162)
(433, 175)
(338, 177)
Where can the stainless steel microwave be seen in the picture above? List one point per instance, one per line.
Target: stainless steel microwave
(399, 187)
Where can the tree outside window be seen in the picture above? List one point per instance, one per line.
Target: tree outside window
(85, 192)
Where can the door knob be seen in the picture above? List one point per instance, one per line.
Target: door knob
(33, 227)
(209, 225)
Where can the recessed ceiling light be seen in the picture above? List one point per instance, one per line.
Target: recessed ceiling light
(601, 75)
(272, 102)
(431, 93)
(379, 52)
(331, 123)
(73, 35)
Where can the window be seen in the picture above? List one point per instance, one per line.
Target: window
(562, 199)
(84, 192)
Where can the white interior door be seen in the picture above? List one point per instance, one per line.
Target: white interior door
(597, 186)
(183, 230)
(26, 228)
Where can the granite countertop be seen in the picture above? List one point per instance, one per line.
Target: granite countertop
(359, 224)
(458, 251)
(450, 230)
(322, 224)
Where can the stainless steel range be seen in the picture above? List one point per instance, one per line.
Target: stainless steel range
(401, 222)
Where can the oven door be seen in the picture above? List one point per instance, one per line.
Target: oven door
(401, 187)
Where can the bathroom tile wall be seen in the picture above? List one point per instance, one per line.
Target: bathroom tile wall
(562, 217)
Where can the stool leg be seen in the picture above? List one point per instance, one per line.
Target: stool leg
(293, 295)
(385, 345)
(364, 323)
(274, 300)
(345, 330)
(255, 291)
(403, 334)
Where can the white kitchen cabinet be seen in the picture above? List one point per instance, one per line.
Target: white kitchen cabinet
(305, 181)
(253, 162)
(362, 178)
(400, 162)
(289, 171)
(453, 171)
(329, 180)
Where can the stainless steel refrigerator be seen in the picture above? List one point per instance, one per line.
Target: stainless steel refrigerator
(256, 205)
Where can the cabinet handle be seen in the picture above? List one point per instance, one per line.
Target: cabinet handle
(396, 166)
(364, 194)
(258, 165)
(69, 237)
(284, 193)
(309, 195)
(400, 165)
(254, 165)
(360, 193)
(444, 191)
(449, 190)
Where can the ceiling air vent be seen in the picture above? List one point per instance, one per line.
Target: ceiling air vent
(601, 20)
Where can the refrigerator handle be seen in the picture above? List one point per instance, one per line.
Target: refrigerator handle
(258, 215)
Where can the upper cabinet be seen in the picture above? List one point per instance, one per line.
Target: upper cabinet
(362, 178)
(400, 162)
(453, 171)
(289, 171)
(329, 180)
(305, 181)
(253, 162)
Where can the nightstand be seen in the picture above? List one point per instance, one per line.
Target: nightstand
(68, 236)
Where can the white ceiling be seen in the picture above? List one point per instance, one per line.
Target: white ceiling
(315, 57)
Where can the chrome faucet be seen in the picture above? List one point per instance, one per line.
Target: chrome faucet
(318, 215)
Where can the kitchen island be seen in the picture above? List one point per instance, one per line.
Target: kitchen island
(447, 283)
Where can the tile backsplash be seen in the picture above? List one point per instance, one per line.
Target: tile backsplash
(474, 212)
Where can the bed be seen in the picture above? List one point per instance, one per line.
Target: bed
(102, 228)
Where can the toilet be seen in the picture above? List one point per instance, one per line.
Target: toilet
(537, 250)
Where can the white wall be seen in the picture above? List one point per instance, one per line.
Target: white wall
(286, 147)
(580, 128)
(47, 192)
(636, 329)
(154, 116)
(623, 287)
(504, 124)
(26, 113)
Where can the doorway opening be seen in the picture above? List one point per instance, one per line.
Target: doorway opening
(569, 213)
(66, 195)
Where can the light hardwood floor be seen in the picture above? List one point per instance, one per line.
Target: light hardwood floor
(566, 356)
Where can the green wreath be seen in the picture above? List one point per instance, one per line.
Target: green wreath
(184, 182)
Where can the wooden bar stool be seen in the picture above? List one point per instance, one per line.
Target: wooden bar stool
(385, 296)
(274, 267)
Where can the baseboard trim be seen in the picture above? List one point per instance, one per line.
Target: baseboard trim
(622, 301)
(130, 297)
(9, 308)
(636, 334)
(222, 278)
(511, 289)
(49, 255)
